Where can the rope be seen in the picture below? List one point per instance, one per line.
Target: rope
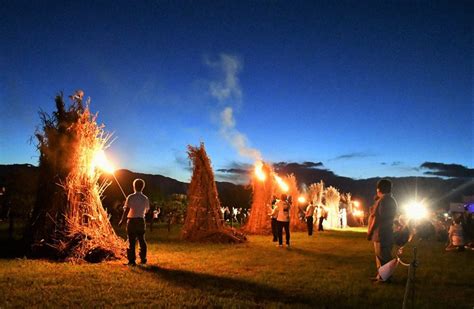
(401, 262)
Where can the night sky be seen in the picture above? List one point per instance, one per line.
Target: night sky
(368, 88)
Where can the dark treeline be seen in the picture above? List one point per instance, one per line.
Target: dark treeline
(20, 181)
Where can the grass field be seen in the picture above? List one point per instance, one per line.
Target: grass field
(331, 270)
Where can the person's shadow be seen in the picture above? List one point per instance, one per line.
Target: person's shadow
(227, 286)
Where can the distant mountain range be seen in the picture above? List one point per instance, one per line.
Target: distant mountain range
(21, 180)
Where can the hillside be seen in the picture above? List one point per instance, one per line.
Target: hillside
(20, 182)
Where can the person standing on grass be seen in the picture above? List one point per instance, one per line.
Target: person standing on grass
(322, 214)
(273, 216)
(135, 208)
(380, 229)
(282, 212)
(309, 218)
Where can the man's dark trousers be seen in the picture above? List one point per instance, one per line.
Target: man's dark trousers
(136, 230)
(309, 222)
(274, 229)
(283, 225)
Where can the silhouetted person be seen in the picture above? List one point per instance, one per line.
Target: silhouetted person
(309, 218)
(322, 214)
(274, 220)
(135, 208)
(380, 229)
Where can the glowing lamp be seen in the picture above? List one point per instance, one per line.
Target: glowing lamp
(356, 204)
(301, 199)
(416, 210)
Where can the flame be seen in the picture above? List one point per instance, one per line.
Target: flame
(283, 186)
(100, 161)
(301, 199)
(358, 213)
(259, 172)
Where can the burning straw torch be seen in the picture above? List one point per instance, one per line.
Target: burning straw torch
(100, 161)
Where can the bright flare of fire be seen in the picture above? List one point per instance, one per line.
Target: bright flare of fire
(416, 210)
(356, 204)
(259, 172)
(100, 161)
(283, 186)
(301, 199)
(358, 213)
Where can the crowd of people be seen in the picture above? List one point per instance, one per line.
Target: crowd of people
(461, 232)
(234, 214)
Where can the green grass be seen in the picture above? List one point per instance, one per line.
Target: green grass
(331, 270)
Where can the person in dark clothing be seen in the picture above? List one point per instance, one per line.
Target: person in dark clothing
(309, 218)
(135, 208)
(274, 220)
(380, 229)
(322, 214)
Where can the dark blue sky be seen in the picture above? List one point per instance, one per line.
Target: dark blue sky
(369, 88)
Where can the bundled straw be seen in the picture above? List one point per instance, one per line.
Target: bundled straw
(203, 219)
(259, 221)
(296, 209)
(333, 197)
(68, 220)
(316, 191)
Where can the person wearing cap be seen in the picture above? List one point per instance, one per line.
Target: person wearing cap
(135, 208)
(381, 218)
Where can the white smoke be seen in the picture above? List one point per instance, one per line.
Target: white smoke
(227, 90)
(228, 86)
(236, 139)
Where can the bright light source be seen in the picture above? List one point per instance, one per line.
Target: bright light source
(358, 213)
(356, 204)
(100, 161)
(283, 186)
(301, 199)
(259, 172)
(416, 210)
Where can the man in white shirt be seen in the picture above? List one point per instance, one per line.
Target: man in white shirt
(135, 208)
(282, 212)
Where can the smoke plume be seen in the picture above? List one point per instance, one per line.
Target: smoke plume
(237, 139)
(226, 89)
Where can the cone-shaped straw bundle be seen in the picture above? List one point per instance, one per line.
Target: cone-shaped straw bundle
(315, 192)
(203, 218)
(259, 221)
(333, 197)
(68, 220)
(296, 208)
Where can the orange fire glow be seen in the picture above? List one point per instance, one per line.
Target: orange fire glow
(283, 186)
(358, 213)
(301, 199)
(100, 161)
(259, 171)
